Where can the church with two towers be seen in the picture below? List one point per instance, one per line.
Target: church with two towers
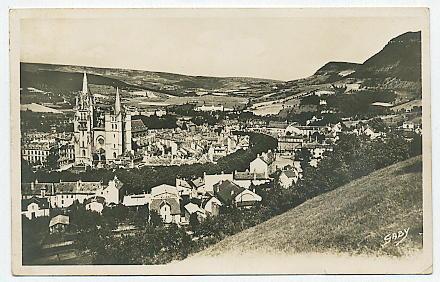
(101, 137)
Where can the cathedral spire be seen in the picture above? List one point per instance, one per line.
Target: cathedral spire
(84, 89)
(117, 102)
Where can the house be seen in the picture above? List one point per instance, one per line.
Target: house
(111, 192)
(212, 179)
(59, 223)
(165, 200)
(198, 185)
(371, 133)
(62, 194)
(167, 208)
(212, 206)
(246, 199)
(226, 191)
(183, 187)
(35, 207)
(191, 209)
(263, 163)
(289, 143)
(246, 179)
(407, 125)
(95, 204)
(293, 130)
(190, 188)
(288, 177)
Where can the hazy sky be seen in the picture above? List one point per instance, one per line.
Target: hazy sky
(282, 48)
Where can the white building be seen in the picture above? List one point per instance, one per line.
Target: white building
(34, 207)
(246, 179)
(263, 163)
(136, 200)
(212, 206)
(111, 192)
(247, 199)
(288, 178)
(192, 208)
(95, 204)
(165, 200)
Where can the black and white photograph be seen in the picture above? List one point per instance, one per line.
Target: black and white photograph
(221, 141)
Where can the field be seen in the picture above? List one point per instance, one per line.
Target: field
(227, 101)
(355, 219)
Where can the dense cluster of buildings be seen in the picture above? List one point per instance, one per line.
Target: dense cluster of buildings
(203, 196)
(106, 135)
(197, 144)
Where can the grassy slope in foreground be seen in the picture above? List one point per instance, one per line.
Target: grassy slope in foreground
(351, 219)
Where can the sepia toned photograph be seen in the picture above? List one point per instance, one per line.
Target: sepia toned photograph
(220, 141)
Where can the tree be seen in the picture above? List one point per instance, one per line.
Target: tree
(194, 221)
(155, 219)
(27, 175)
(52, 159)
(416, 145)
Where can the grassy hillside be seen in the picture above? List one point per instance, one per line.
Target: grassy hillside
(62, 77)
(352, 219)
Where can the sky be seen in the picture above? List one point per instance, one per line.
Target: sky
(278, 46)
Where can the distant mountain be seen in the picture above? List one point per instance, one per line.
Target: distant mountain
(400, 58)
(63, 78)
(395, 69)
(337, 67)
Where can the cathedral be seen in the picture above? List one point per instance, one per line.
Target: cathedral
(100, 136)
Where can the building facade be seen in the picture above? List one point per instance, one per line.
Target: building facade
(100, 138)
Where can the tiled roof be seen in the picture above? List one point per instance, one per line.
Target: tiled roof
(138, 125)
(156, 204)
(79, 187)
(275, 124)
(227, 190)
(192, 208)
(268, 157)
(59, 219)
(207, 200)
(42, 203)
(246, 175)
(290, 173)
(97, 199)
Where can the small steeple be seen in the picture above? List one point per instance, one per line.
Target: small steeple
(117, 102)
(84, 89)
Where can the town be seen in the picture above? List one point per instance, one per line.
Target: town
(110, 136)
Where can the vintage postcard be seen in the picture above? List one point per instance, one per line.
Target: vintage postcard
(220, 141)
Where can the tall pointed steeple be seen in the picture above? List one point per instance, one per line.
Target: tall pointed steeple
(117, 102)
(85, 89)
